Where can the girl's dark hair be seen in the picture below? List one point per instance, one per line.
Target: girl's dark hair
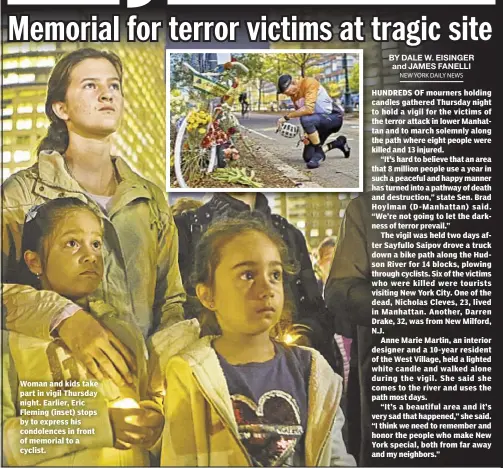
(40, 222)
(57, 134)
(208, 250)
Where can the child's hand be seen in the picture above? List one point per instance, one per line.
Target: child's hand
(140, 427)
(98, 348)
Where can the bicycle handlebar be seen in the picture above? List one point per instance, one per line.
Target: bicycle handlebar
(189, 67)
(233, 65)
(192, 70)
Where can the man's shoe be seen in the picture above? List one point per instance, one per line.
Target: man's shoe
(341, 143)
(318, 157)
(346, 150)
(313, 164)
(308, 152)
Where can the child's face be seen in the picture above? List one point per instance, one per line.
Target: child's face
(73, 259)
(248, 293)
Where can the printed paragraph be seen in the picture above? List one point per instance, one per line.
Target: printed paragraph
(55, 413)
(431, 272)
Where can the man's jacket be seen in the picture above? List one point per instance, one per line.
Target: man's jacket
(312, 98)
(198, 401)
(140, 249)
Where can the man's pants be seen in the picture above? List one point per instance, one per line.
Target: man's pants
(325, 124)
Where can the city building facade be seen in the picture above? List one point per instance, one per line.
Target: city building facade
(317, 215)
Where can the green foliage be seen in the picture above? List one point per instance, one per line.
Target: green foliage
(334, 89)
(254, 63)
(303, 63)
(180, 77)
(354, 78)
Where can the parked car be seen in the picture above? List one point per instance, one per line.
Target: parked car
(356, 99)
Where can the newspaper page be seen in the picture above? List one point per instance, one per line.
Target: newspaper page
(273, 229)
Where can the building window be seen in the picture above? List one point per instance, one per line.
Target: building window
(23, 140)
(14, 78)
(25, 93)
(23, 124)
(6, 155)
(11, 48)
(46, 47)
(46, 62)
(329, 232)
(41, 122)
(7, 111)
(301, 224)
(27, 78)
(26, 62)
(21, 156)
(40, 107)
(341, 213)
(314, 233)
(25, 109)
(5, 173)
(7, 125)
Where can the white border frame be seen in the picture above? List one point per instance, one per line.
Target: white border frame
(265, 189)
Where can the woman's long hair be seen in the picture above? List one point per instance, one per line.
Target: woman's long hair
(57, 135)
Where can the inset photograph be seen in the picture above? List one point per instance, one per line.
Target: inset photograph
(265, 119)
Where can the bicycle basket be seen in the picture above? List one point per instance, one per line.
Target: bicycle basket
(208, 86)
(289, 130)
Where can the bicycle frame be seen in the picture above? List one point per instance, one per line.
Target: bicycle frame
(212, 88)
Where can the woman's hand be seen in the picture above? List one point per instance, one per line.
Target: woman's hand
(97, 348)
(140, 427)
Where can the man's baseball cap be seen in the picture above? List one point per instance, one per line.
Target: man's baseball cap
(283, 82)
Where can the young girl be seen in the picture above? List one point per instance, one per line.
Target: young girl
(62, 244)
(242, 398)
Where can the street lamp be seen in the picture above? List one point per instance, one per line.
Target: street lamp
(348, 104)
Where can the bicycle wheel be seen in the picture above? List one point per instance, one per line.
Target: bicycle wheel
(189, 162)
